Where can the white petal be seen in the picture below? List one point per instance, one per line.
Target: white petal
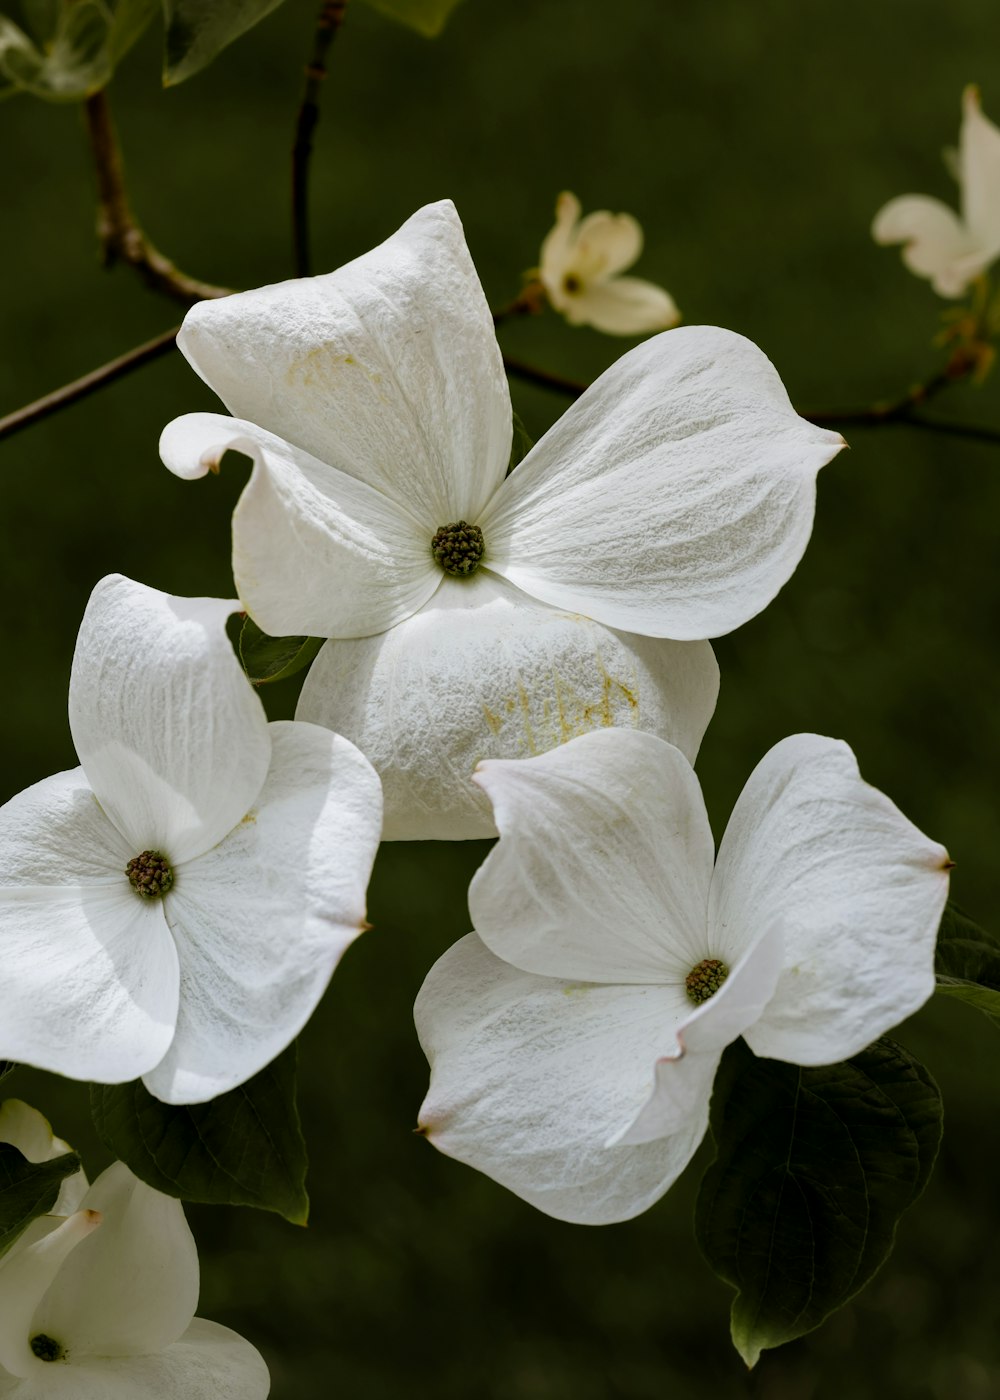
(171, 736)
(208, 1363)
(979, 156)
(531, 1077)
(603, 865)
(483, 671)
(315, 552)
(936, 244)
(857, 889)
(24, 1278)
(624, 306)
(673, 499)
(681, 1076)
(55, 833)
(90, 981)
(605, 244)
(388, 368)
(132, 1286)
(262, 920)
(557, 247)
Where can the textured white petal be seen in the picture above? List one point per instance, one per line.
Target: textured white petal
(388, 368)
(624, 306)
(262, 920)
(55, 833)
(208, 1363)
(979, 164)
(315, 552)
(132, 1286)
(673, 499)
(90, 981)
(531, 1077)
(685, 1077)
(603, 865)
(483, 671)
(24, 1278)
(558, 243)
(936, 243)
(856, 888)
(171, 736)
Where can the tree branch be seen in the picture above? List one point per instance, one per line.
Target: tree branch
(331, 17)
(544, 378)
(80, 388)
(122, 240)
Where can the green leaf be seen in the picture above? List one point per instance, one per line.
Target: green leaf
(968, 962)
(521, 444)
(70, 48)
(6, 1067)
(28, 1189)
(428, 17)
(198, 30)
(245, 1148)
(813, 1169)
(267, 658)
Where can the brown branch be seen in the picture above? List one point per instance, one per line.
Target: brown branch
(544, 378)
(331, 17)
(531, 300)
(80, 388)
(122, 240)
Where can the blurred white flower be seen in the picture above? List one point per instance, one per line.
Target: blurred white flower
(99, 1304)
(951, 249)
(574, 1037)
(475, 614)
(175, 907)
(581, 265)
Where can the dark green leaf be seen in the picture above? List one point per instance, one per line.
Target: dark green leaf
(968, 962)
(28, 1189)
(520, 446)
(428, 17)
(197, 30)
(267, 658)
(813, 1169)
(245, 1148)
(6, 1067)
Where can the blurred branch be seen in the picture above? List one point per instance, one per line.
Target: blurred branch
(544, 378)
(80, 388)
(331, 17)
(531, 300)
(122, 240)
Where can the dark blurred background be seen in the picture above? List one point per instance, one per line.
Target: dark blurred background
(754, 143)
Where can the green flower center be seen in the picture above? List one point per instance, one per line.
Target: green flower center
(150, 874)
(46, 1349)
(458, 548)
(705, 979)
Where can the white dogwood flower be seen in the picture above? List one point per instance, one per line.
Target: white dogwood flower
(174, 907)
(99, 1305)
(475, 614)
(574, 1038)
(581, 265)
(951, 249)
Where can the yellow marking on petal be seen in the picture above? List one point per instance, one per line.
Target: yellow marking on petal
(492, 719)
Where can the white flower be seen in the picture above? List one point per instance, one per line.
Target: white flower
(574, 1038)
(99, 1304)
(174, 907)
(581, 263)
(950, 249)
(672, 500)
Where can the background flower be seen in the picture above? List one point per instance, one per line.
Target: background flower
(581, 265)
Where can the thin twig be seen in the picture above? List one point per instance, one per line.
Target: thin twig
(331, 17)
(122, 240)
(531, 300)
(544, 378)
(80, 388)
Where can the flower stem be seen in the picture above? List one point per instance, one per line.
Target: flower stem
(122, 240)
(331, 17)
